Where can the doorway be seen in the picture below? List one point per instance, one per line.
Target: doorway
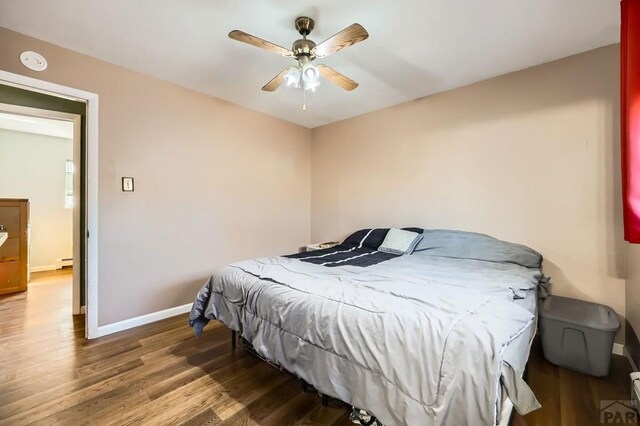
(40, 164)
(21, 91)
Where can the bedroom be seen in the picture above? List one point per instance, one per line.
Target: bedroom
(500, 118)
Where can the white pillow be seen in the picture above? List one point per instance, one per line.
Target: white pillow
(399, 241)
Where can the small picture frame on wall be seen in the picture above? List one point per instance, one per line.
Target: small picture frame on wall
(127, 184)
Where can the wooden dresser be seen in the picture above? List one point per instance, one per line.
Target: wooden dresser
(14, 218)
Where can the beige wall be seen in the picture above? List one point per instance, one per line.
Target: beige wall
(33, 166)
(633, 298)
(214, 182)
(530, 157)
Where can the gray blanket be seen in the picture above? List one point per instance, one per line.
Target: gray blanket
(418, 339)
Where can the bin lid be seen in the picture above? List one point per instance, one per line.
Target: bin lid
(580, 312)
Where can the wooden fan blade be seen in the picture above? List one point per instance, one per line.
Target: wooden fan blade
(336, 78)
(348, 37)
(258, 42)
(276, 81)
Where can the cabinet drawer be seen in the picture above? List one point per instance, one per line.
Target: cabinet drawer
(9, 277)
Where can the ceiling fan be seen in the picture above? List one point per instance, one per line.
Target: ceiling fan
(304, 74)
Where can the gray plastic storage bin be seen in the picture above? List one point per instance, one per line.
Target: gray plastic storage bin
(578, 334)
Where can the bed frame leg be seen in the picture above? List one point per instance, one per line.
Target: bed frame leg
(325, 400)
(233, 340)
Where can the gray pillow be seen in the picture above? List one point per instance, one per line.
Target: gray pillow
(470, 245)
(399, 241)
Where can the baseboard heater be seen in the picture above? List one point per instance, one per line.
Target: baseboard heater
(64, 262)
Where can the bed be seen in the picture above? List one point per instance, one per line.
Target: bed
(439, 336)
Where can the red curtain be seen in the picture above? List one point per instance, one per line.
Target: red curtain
(630, 114)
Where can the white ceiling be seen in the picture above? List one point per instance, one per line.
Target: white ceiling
(416, 47)
(37, 125)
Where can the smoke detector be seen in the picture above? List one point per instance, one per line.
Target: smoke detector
(33, 60)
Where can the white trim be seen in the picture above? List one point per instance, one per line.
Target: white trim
(620, 349)
(33, 269)
(45, 86)
(83, 310)
(103, 330)
(91, 289)
(627, 355)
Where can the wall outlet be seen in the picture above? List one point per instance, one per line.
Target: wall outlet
(127, 184)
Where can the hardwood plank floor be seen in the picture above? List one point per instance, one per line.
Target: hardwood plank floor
(155, 374)
(569, 398)
(160, 374)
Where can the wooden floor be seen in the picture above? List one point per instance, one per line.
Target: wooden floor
(160, 374)
(569, 398)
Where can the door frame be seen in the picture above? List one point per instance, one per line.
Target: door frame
(76, 119)
(91, 238)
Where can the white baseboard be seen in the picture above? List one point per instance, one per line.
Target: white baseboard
(83, 310)
(43, 268)
(620, 349)
(627, 355)
(103, 330)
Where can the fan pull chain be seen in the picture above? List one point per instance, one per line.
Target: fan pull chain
(304, 99)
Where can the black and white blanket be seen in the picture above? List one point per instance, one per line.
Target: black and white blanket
(359, 249)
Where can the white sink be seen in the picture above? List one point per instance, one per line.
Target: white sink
(3, 237)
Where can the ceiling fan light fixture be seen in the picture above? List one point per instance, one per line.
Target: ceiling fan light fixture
(310, 77)
(311, 85)
(292, 78)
